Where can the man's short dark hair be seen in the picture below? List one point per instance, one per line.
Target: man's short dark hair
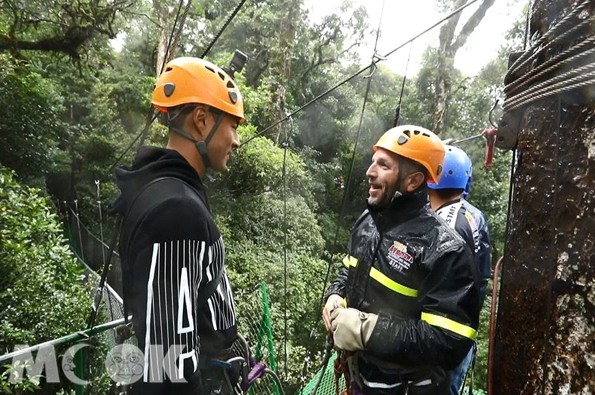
(449, 193)
(177, 115)
(409, 166)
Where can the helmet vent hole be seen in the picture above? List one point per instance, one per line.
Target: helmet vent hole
(402, 140)
(407, 133)
(416, 132)
(210, 69)
(427, 135)
(230, 84)
(233, 97)
(221, 75)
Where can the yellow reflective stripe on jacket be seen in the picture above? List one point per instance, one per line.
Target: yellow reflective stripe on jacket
(350, 261)
(447, 323)
(377, 275)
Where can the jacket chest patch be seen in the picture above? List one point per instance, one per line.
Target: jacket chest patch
(398, 257)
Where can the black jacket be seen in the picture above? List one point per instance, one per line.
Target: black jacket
(406, 265)
(170, 249)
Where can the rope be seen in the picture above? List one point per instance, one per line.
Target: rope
(549, 89)
(376, 60)
(574, 78)
(171, 36)
(284, 176)
(564, 58)
(227, 22)
(552, 34)
(398, 109)
(88, 231)
(78, 225)
(372, 65)
(106, 264)
(497, 268)
(61, 340)
(352, 162)
(152, 113)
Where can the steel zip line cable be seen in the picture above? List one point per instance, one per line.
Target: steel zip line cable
(374, 62)
(152, 115)
(329, 342)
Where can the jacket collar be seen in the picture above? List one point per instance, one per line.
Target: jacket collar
(401, 209)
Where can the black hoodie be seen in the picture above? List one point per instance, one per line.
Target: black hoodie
(170, 249)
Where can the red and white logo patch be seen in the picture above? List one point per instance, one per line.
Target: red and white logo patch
(398, 257)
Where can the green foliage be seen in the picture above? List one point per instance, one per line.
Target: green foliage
(69, 123)
(25, 385)
(262, 162)
(41, 295)
(30, 119)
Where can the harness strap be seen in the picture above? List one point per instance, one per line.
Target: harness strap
(341, 368)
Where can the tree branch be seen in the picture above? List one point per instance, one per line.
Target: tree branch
(471, 24)
(447, 31)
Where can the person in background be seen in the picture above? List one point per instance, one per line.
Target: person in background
(405, 308)
(446, 198)
(173, 256)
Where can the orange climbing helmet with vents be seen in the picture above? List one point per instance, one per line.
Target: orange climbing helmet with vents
(417, 144)
(189, 80)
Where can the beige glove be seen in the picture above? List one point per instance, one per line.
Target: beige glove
(352, 328)
(333, 302)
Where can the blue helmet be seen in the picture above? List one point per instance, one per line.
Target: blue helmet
(467, 190)
(456, 171)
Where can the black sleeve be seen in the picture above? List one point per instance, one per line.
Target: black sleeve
(449, 299)
(338, 284)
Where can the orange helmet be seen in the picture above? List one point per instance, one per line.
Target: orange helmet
(195, 80)
(417, 144)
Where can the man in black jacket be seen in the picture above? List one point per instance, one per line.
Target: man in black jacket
(410, 286)
(175, 285)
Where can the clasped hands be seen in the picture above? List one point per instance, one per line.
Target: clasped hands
(350, 327)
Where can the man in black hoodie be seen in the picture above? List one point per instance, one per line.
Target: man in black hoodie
(405, 308)
(175, 285)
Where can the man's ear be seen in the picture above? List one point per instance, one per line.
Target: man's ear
(414, 181)
(199, 120)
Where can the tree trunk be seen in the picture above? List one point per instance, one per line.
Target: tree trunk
(448, 46)
(545, 336)
(171, 20)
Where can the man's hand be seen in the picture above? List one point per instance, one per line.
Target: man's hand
(333, 302)
(352, 328)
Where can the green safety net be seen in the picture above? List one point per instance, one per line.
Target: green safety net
(327, 385)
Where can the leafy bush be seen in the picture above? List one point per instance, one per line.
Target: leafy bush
(41, 295)
(30, 119)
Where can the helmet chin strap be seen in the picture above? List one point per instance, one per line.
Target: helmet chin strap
(201, 145)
